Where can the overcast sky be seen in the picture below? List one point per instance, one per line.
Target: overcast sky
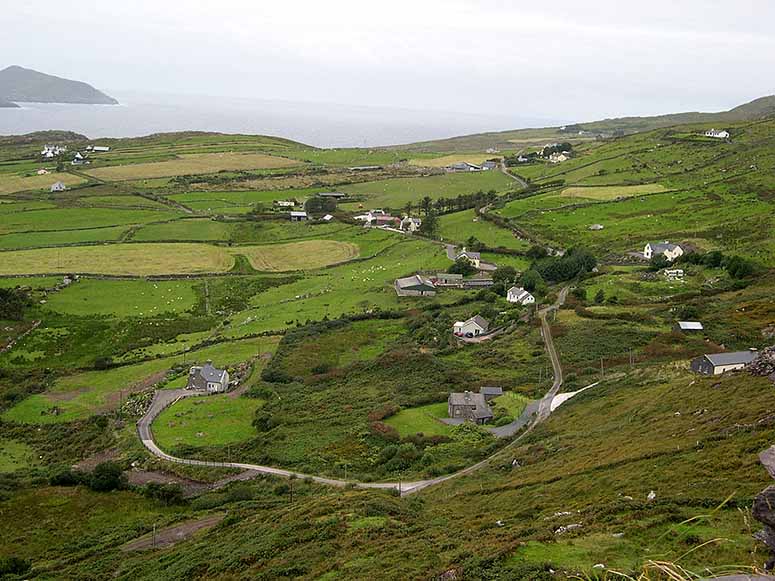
(558, 59)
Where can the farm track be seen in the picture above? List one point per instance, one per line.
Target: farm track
(165, 398)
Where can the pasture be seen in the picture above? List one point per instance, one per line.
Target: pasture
(397, 192)
(61, 237)
(84, 394)
(308, 254)
(123, 298)
(424, 419)
(142, 259)
(79, 218)
(191, 164)
(445, 160)
(460, 226)
(10, 183)
(198, 229)
(214, 420)
(15, 455)
(607, 193)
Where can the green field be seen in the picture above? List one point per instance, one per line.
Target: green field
(460, 226)
(396, 193)
(79, 218)
(124, 298)
(424, 419)
(145, 259)
(214, 420)
(61, 237)
(308, 254)
(15, 455)
(199, 229)
(84, 394)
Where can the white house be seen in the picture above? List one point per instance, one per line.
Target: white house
(517, 294)
(717, 133)
(410, 224)
(327, 218)
(674, 273)
(285, 203)
(559, 157)
(689, 326)
(209, 378)
(58, 187)
(596, 227)
(718, 363)
(473, 327)
(42, 172)
(101, 148)
(299, 216)
(666, 249)
(474, 258)
(369, 216)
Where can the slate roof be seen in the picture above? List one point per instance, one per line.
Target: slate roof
(476, 400)
(211, 373)
(479, 320)
(469, 254)
(734, 358)
(660, 247)
(414, 280)
(494, 391)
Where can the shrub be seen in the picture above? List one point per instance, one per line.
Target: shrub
(14, 566)
(167, 494)
(107, 476)
(62, 476)
(281, 489)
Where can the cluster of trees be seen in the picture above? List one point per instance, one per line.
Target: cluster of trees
(575, 262)
(448, 205)
(556, 148)
(737, 266)
(106, 476)
(462, 266)
(13, 301)
(320, 205)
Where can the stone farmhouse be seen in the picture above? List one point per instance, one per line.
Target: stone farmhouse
(415, 286)
(469, 406)
(208, 378)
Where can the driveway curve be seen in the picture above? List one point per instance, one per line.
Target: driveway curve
(166, 397)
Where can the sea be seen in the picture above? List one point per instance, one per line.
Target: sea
(317, 124)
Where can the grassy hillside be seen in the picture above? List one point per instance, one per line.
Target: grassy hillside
(184, 257)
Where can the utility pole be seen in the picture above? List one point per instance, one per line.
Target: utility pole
(602, 370)
(291, 490)
(154, 536)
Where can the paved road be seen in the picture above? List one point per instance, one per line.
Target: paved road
(542, 409)
(517, 179)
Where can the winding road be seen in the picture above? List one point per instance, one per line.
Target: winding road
(530, 418)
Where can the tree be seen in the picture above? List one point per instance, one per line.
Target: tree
(320, 205)
(107, 476)
(580, 293)
(739, 267)
(600, 297)
(408, 208)
(429, 226)
(505, 274)
(462, 266)
(658, 262)
(532, 280)
(13, 301)
(425, 204)
(537, 252)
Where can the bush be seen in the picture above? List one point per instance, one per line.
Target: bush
(240, 493)
(14, 566)
(281, 489)
(272, 375)
(65, 477)
(107, 476)
(167, 494)
(321, 368)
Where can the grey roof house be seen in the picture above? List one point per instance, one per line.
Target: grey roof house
(208, 378)
(718, 363)
(471, 406)
(58, 187)
(415, 286)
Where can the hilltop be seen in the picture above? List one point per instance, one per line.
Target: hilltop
(752, 111)
(18, 84)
